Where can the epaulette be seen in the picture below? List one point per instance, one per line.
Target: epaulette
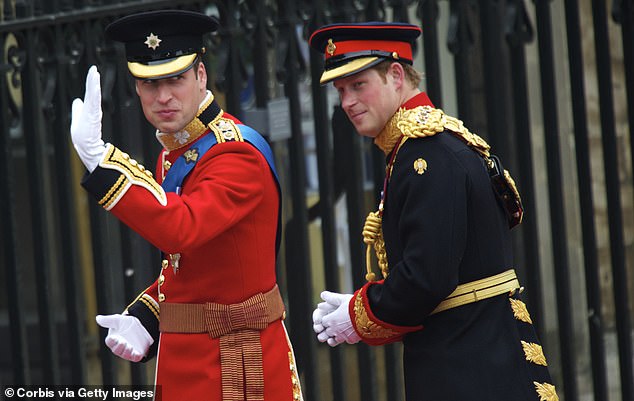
(425, 121)
(225, 130)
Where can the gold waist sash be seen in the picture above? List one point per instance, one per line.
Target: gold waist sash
(238, 327)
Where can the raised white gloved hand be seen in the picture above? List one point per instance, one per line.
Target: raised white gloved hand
(85, 126)
(338, 326)
(127, 338)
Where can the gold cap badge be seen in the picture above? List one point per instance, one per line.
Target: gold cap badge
(331, 47)
(420, 165)
(152, 41)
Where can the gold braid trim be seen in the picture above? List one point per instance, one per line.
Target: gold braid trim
(418, 122)
(511, 183)
(135, 174)
(367, 327)
(472, 140)
(546, 392)
(295, 381)
(115, 192)
(297, 391)
(424, 121)
(151, 304)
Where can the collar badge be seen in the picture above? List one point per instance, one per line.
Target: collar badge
(152, 41)
(191, 155)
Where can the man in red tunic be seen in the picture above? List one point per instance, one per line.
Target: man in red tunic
(214, 315)
(441, 235)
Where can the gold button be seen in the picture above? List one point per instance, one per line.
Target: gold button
(165, 264)
(161, 279)
(161, 297)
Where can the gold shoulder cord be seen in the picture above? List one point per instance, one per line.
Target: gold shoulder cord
(419, 122)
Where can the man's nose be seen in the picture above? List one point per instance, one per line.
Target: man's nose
(347, 101)
(164, 94)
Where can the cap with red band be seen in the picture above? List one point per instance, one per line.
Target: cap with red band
(354, 47)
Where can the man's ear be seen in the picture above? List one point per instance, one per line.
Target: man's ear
(397, 73)
(136, 87)
(202, 76)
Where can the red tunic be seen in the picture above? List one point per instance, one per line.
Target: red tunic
(223, 225)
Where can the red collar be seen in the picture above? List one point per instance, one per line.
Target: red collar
(419, 100)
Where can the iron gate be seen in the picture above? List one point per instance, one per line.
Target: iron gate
(550, 85)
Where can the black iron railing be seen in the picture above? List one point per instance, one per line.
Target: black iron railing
(56, 278)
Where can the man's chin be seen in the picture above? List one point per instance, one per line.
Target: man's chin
(367, 133)
(168, 128)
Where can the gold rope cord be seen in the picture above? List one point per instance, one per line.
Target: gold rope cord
(373, 237)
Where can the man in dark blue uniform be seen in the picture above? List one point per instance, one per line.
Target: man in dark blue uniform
(441, 235)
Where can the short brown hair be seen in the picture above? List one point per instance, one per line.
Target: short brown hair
(411, 74)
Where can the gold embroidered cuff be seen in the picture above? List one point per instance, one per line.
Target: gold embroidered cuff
(151, 304)
(372, 330)
(132, 174)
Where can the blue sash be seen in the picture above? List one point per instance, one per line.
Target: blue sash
(183, 165)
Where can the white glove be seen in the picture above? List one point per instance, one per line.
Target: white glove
(85, 126)
(127, 338)
(337, 323)
(323, 308)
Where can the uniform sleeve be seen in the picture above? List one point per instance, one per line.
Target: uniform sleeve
(146, 308)
(426, 243)
(371, 329)
(226, 185)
